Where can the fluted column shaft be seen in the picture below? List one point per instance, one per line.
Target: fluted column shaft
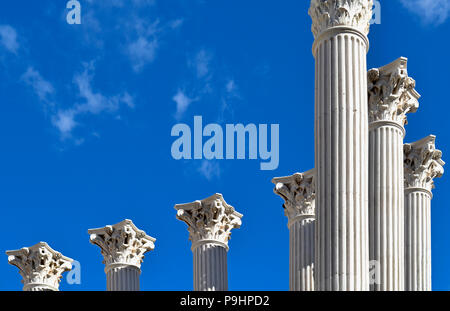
(418, 239)
(301, 257)
(210, 222)
(386, 205)
(298, 192)
(123, 278)
(210, 268)
(123, 246)
(341, 139)
(391, 96)
(422, 163)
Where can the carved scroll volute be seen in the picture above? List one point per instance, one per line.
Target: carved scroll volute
(299, 193)
(209, 220)
(423, 163)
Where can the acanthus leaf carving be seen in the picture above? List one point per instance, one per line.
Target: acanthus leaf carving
(40, 266)
(211, 219)
(298, 192)
(391, 93)
(423, 163)
(330, 13)
(122, 243)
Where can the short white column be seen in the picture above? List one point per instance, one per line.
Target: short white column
(391, 97)
(210, 222)
(40, 266)
(423, 163)
(123, 247)
(340, 29)
(298, 192)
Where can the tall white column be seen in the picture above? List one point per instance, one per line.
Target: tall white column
(123, 247)
(210, 222)
(40, 267)
(298, 192)
(391, 97)
(340, 29)
(423, 163)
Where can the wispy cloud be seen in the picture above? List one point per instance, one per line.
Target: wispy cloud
(64, 121)
(228, 97)
(141, 32)
(201, 63)
(8, 38)
(96, 102)
(232, 89)
(201, 73)
(91, 102)
(430, 11)
(142, 50)
(41, 87)
(209, 169)
(183, 102)
(177, 23)
(207, 81)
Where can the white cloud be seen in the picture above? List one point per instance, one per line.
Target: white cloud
(231, 87)
(142, 52)
(141, 32)
(177, 23)
(431, 11)
(230, 95)
(64, 121)
(183, 102)
(8, 38)
(95, 102)
(41, 87)
(209, 169)
(201, 63)
(143, 47)
(92, 102)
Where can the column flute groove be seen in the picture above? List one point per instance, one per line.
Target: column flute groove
(340, 29)
(391, 95)
(422, 164)
(210, 222)
(298, 193)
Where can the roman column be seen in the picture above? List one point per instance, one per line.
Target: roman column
(340, 28)
(40, 267)
(123, 247)
(423, 163)
(391, 96)
(298, 193)
(210, 222)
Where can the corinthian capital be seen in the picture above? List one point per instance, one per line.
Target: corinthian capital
(299, 193)
(326, 14)
(423, 163)
(210, 220)
(40, 266)
(122, 244)
(391, 93)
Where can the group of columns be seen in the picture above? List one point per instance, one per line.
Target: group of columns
(366, 203)
(123, 246)
(369, 196)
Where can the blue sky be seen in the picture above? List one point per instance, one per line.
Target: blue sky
(86, 114)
